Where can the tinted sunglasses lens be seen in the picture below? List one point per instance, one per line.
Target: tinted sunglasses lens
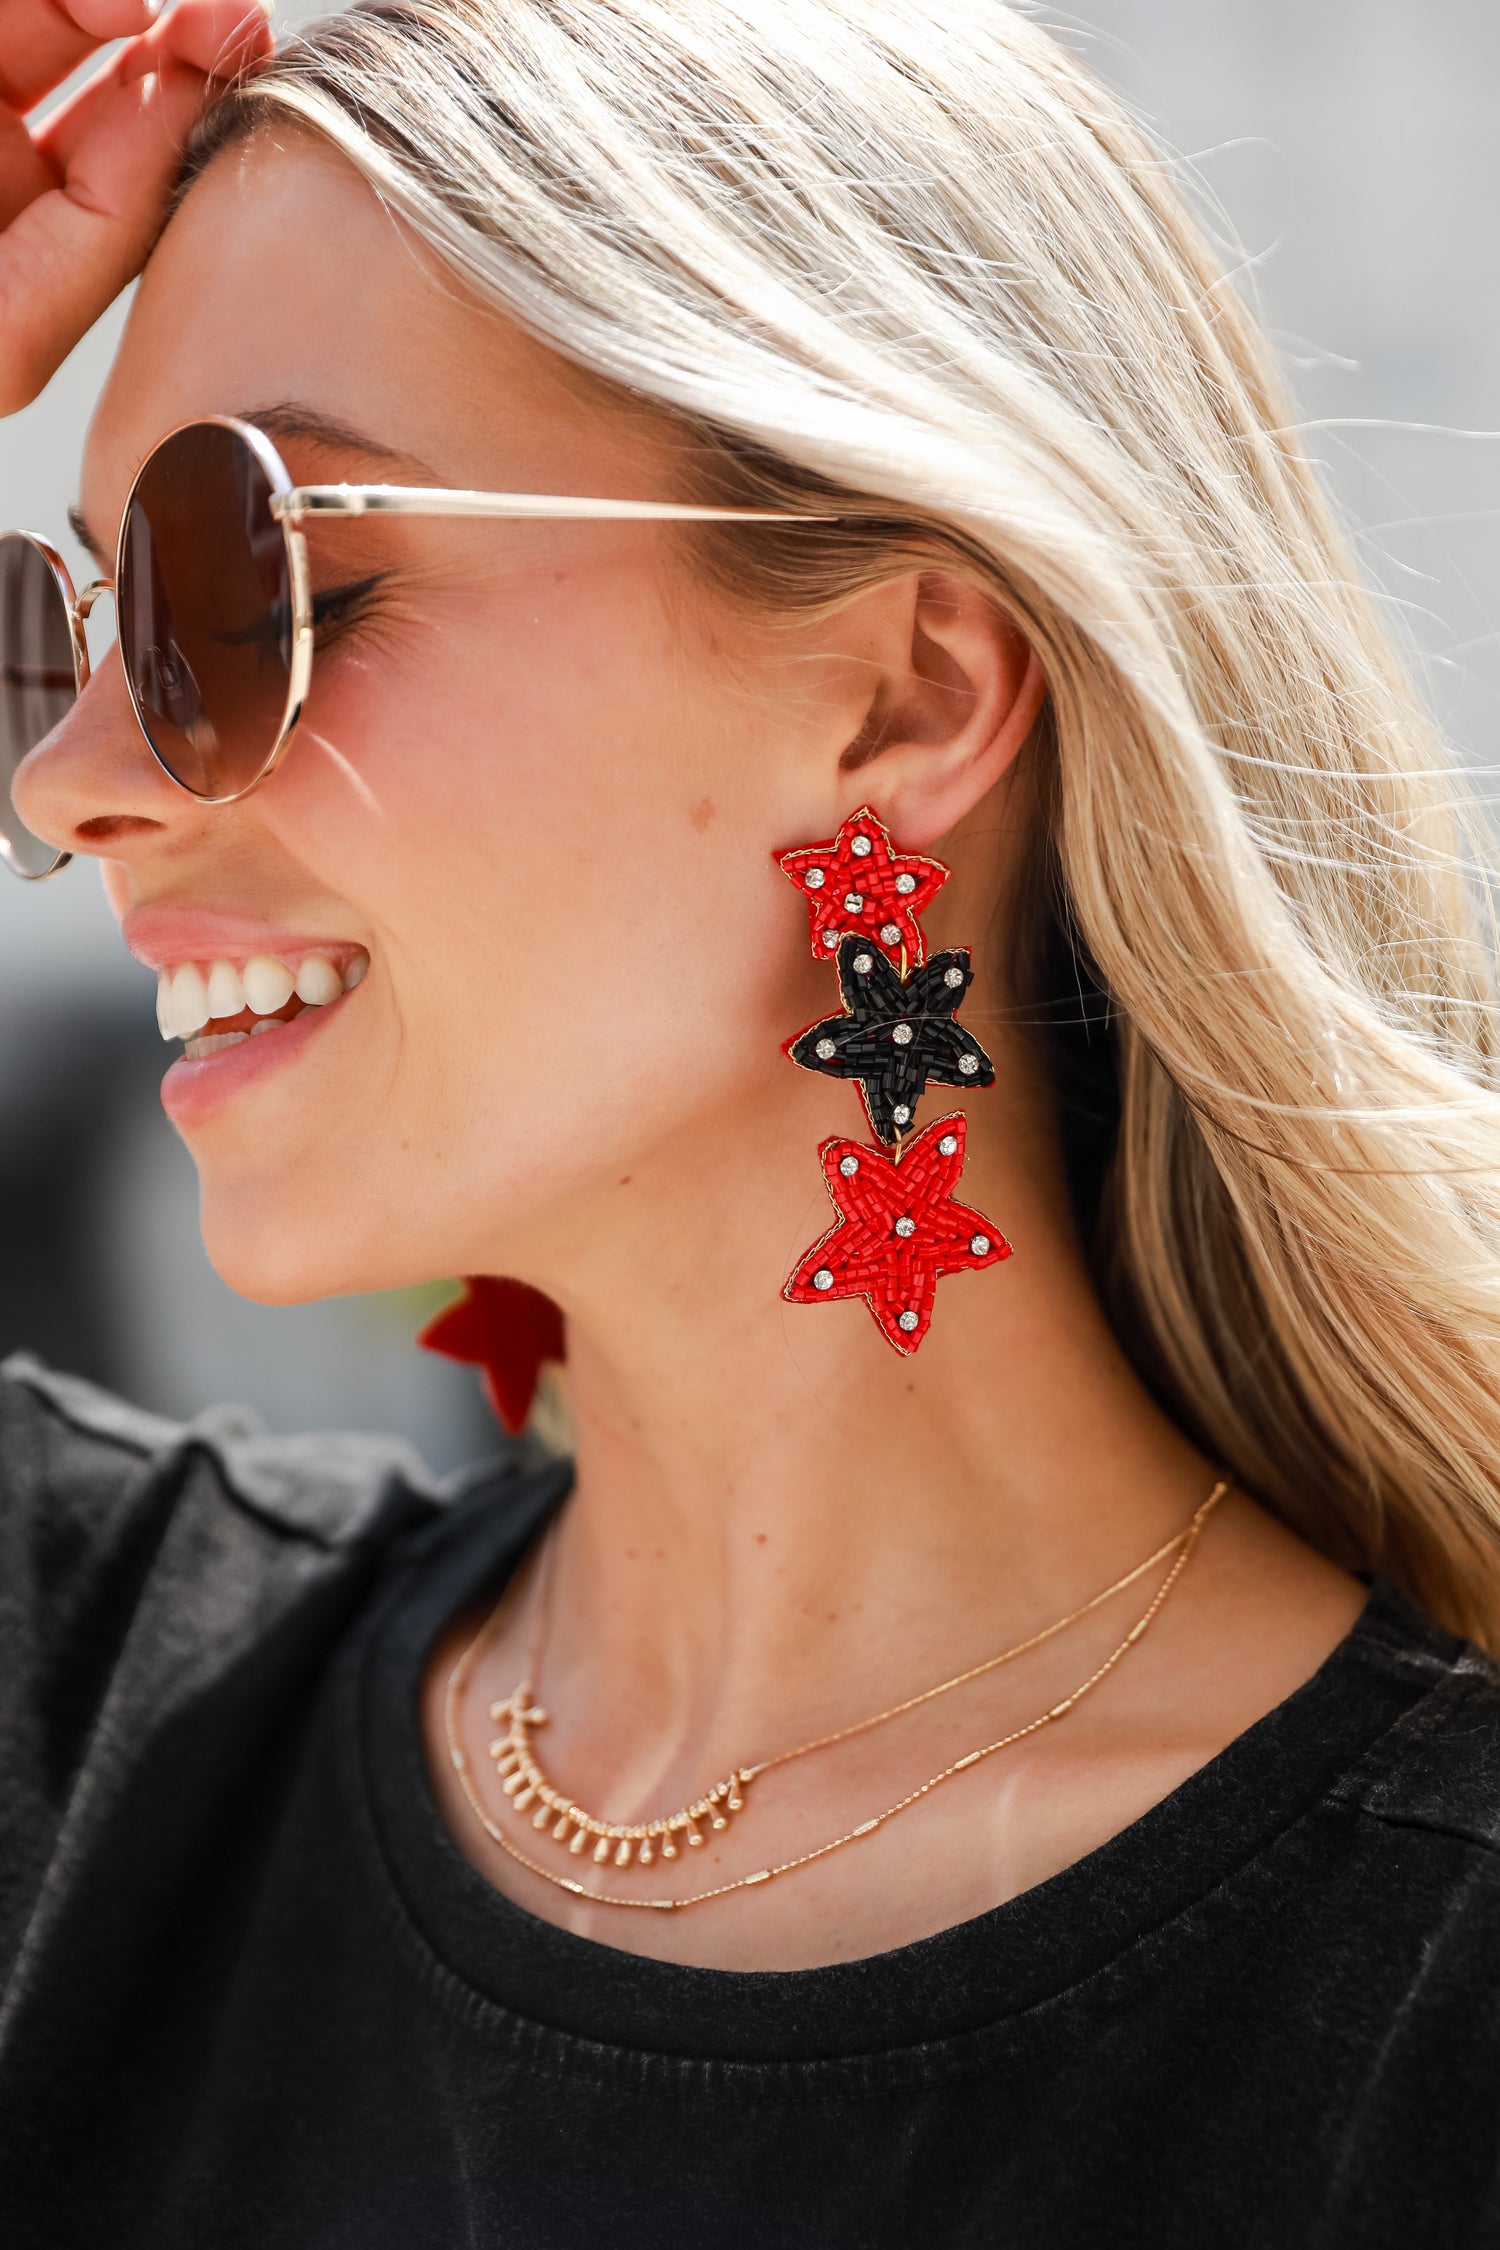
(37, 684)
(205, 610)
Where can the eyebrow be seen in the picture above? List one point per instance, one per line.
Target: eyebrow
(78, 525)
(289, 418)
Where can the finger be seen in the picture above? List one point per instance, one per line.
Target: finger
(203, 36)
(112, 19)
(69, 253)
(24, 171)
(43, 41)
(216, 36)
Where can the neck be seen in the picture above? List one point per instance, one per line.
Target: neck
(776, 1521)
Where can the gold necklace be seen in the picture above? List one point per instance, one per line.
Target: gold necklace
(625, 1842)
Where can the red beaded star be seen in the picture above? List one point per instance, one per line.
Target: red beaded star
(508, 1330)
(898, 1231)
(857, 882)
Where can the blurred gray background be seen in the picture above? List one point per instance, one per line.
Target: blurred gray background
(1349, 150)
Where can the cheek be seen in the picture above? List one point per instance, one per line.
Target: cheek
(558, 841)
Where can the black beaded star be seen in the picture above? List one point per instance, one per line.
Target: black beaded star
(896, 1035)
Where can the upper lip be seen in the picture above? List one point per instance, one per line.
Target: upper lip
(164, 936)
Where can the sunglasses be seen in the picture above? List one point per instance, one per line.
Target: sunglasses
(213, 608)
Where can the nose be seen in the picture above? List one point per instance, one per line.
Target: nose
(93, 786)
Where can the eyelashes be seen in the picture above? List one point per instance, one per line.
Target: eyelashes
(338, 608)
(334, 611)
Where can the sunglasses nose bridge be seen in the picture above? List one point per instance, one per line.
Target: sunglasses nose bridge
(93, 592)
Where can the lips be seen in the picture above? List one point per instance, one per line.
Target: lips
(216, 1069)
(242, 995)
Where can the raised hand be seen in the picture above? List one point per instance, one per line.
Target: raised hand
(83, 196)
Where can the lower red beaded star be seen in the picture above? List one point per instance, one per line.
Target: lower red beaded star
(898, 1231)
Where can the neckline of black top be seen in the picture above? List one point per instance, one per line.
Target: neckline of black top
(1264, 1787)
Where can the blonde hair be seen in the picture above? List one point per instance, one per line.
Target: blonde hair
(918, 257)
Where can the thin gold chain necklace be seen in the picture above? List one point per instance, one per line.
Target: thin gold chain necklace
(623, 1842)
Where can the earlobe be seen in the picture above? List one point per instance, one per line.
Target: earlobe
(951, 712)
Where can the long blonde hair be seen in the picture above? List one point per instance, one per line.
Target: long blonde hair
(919, 257)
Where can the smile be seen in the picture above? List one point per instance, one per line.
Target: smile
(214, 1005)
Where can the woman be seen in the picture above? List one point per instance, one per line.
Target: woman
(1034, 1783)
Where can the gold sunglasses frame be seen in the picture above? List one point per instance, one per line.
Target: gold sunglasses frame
(293, 505)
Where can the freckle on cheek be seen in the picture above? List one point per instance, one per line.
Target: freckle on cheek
(702, 813)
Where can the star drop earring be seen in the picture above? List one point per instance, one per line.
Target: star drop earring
(899, 1229)
(508, 1330)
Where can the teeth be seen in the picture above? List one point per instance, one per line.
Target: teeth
(196, 1049)
(269, 984)
(318, 981)
(226, 991)
(189, 1001)
(272, 1023)
(190, 996)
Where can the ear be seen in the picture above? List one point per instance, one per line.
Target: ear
(958, 689)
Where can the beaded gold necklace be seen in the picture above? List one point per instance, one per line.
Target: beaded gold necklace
(639, 1843)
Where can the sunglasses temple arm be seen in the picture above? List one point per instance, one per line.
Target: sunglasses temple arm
(305, 500)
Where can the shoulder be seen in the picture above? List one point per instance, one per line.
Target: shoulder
(78, 1457)
(100, 1502)
(1436, 1768)
(214, 1523)
(177, 1584)
(162, 1578)
(171, 1597)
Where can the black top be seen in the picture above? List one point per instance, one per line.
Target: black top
(254, 1995)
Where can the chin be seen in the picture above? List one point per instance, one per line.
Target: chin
(277, 1251)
